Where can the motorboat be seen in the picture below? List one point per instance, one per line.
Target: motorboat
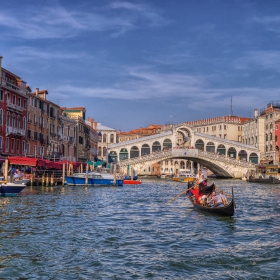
(184, 176)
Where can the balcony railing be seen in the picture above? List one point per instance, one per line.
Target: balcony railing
(14, 106)
(13, 87)
(16, 131)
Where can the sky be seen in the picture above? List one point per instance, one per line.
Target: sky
(136, 63)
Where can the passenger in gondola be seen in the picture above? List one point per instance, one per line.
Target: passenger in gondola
(212, 199)
(223, 198)
(195, 193)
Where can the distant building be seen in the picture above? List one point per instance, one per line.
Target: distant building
(138, 133)
(106, 136)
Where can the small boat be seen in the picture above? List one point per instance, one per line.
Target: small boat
(227, 210)
(131, 182)
(184, 176)
(94, 179)
(11, 189)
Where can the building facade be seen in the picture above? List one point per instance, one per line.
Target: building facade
(13, 113)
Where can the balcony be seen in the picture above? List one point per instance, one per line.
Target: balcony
(13, 87)
(14, 107)
(15, 131)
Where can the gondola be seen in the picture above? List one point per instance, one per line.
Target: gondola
(227, 210)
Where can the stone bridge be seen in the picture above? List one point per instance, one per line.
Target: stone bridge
(223, 157)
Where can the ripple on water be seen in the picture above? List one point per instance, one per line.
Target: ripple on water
(129, 233)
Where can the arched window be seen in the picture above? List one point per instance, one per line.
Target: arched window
(232, 152)
(156, 147)
(105, 138)
(99, 151)
(134, 152)
(104, 151)
(199, 144)
(210, 147)
(242, 155)
(167, 144)
(112, 138)
(145, 150)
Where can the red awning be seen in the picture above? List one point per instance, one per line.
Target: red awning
(23, 161)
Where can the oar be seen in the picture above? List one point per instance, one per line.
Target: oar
(178, 195)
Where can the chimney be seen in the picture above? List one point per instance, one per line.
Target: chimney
(256, 113)
(37, 91)
(1, 69)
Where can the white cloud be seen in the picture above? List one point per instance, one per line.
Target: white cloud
(59, 22)
(262, 59)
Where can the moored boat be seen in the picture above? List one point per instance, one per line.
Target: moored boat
(11, 189)
(227, 210)
(131, 182)
(94, 179)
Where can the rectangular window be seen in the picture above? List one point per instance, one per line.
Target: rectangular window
(276, 126)
(1, 143)
(1, 95)
(24, 103)
(35, 150)
(7, 145)
(17, 145)
(14, 99)
(13, 144)
(23, 147)
(19, 102)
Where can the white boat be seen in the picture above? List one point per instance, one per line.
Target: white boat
(184, 175)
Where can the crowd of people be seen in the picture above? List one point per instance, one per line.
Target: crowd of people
(205, 195)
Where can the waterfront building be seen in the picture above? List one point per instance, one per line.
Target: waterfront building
(253, 132)
(82, 133)
(106, 137)
(93, 137)
(13, 113)
(271, 115)
(37, 123)
(67, 137)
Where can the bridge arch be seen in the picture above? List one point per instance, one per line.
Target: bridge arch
(183, 136)
(145, 149)
(156, 146)
(254, 158)
(113, 157)
(199, 144)
(242, 155)
(232, 152)
(221, 149)
(123, 154)
(167, 144)
(134, 152)
(210, 147)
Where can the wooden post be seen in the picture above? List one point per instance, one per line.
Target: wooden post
(43, 180)
(63, 173)
(52, 180)
(86, 174)
(115, 169)
(47, 180)
(31, 179)
(6, 170)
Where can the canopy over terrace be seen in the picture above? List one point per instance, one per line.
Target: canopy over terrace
(38, 162)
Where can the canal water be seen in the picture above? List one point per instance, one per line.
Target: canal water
(129, 233)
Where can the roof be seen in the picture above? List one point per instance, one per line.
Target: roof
(102, 127)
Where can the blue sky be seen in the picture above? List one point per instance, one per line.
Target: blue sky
(135, 63)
